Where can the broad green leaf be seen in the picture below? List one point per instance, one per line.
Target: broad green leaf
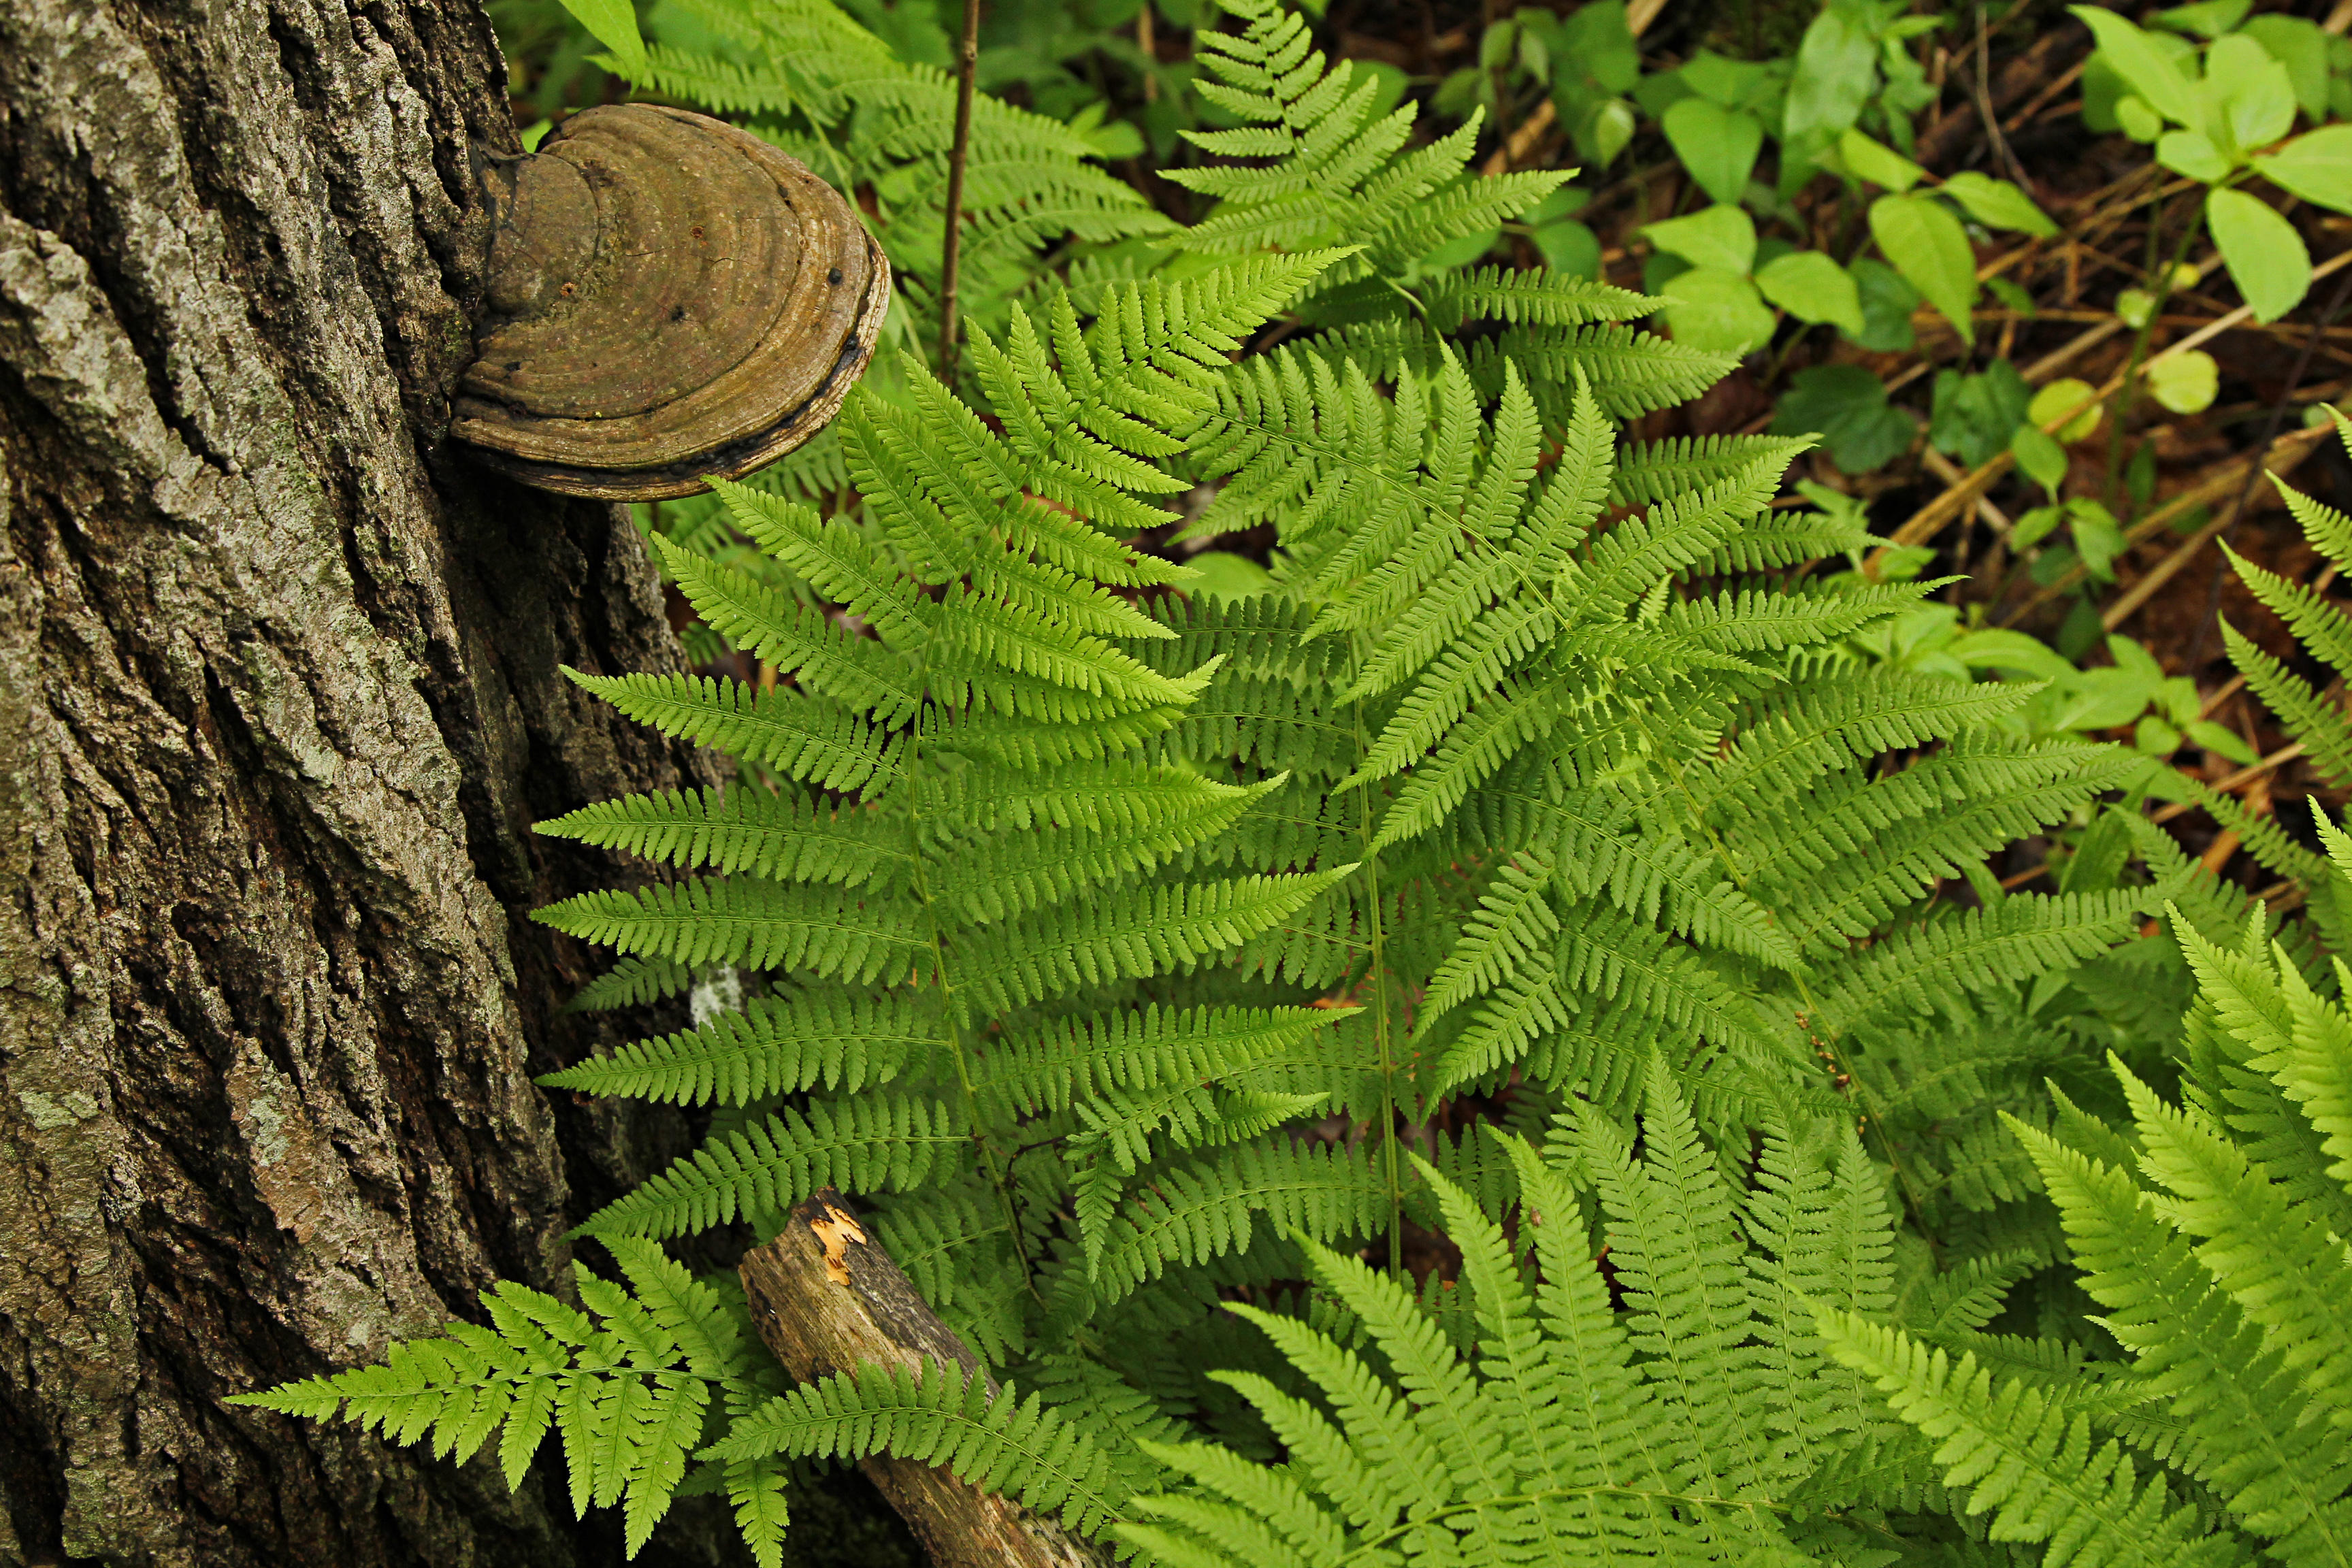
(614, 24)
(2038, 524)
(2155, 737)
(1608, 129)
(2185, 383)
(1998, 204)
(2264, 253)
(2317, 166)
(1878, 164)
(1712, 309)
(1887, 302)
(2147, 70)
(1568, 246)
(2099, 541)
(2213, 737)
(2302, 46)
(1720, 79)
(1722, 236)
(1972, 416)
(2190, 153)
(2206, 19)
(1847, 406)
(2058, 400)
(2137, 120)
(2248, 94)
(1716, 145)
(1926, 245)
(1810, 286)
(2044, 459)
(1837, 65)
(2013, 653)
(1225, 575)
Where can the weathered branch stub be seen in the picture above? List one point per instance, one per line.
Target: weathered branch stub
(825, 1297)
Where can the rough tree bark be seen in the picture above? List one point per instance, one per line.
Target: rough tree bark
(278, 702)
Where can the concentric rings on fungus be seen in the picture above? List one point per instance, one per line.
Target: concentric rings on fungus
(668, 298)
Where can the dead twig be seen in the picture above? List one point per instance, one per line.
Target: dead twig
(2236, 781)
(952, 245)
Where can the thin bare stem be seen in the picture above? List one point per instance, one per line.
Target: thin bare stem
(952, 245)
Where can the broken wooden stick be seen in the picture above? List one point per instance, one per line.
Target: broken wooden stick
(826, 1298)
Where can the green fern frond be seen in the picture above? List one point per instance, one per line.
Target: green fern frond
(633, 982)
(771, 1047)
(800, 737)
(944, 1415)
(746, 921)
(881, 1141)
(767, 834)
(1006, 967)
(2026, 1458)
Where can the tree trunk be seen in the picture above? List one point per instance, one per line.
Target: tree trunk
(278, 702)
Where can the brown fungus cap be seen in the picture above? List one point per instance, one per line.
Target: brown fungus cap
(668, 298)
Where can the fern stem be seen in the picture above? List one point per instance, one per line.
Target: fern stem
(1874, 1115)
(1391, 1171)
(998, 1174)
(952, 241)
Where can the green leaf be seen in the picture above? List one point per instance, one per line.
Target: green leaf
(1998, 204)
(2155, 737)
(1720, 79)
(1972, 416)
(1847, 406)
(1888, 301)
(2213, 737)
(2032, 529)
(2265, 255)
(1716, 145)
(1878, 164)
(2044, 459)
(2147, 70)
(2302, 48)
(1225, 576)
(1810, 286)
(2098, 539)
(2184, 383)
(2317, 167)
(1926, 245)
(2205, 19)
(1712, 308)
(2069, 398)
(1722, 236)
(2189, 152)
(614, 24)
(1837, 66)
(1568, 246)
(2256, 96)
(2137, 120)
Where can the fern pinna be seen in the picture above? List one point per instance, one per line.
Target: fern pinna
(1120, 950)
(2209, 1228)
(2211, 1231)
(1674, 1406)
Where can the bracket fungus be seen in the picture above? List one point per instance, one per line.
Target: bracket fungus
(668, 298)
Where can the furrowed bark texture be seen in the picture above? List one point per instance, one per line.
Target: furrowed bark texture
(278, 702)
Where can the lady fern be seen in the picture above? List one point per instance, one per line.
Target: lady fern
(2212, 1233)
(1121, 952)
(1678, 1407)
